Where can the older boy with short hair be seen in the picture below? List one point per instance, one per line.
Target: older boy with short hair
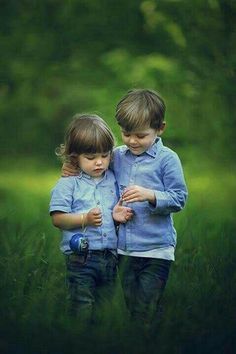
(151, 181)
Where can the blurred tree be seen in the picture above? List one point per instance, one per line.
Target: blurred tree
(59, 57)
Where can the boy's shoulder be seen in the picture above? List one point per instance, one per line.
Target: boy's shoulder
(120, 149)
(168, 156)
(161, 149)
(167, 151)
(110, 174)
(66, 181)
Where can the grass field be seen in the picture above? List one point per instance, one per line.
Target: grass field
(200, 298)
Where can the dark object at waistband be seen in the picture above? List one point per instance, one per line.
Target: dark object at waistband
(102, 252)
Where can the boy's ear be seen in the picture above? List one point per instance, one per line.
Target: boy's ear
(161, 129)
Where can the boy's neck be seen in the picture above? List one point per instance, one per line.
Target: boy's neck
(95, 178)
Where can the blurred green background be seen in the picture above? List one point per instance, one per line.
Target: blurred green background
(59, 58)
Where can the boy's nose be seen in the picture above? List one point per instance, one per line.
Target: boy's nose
(132, 140)
(98, 162)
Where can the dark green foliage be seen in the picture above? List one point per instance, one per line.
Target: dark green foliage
(62, 57)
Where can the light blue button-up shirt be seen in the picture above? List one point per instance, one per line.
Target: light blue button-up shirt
(79, 194)
(159, 169)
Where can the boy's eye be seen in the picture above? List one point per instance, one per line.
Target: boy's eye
(88, 157)
(139, 136)
(92, 157)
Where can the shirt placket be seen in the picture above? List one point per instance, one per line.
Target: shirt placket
(130, 230)
(98, 199)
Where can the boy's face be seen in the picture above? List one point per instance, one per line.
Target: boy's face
(94, 164)
(140, 140)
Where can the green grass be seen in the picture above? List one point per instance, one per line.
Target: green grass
(199, 300)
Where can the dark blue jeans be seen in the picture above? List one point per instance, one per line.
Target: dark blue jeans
(91, 282)
(143, 281)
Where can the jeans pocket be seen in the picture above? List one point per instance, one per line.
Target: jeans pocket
(73, 261)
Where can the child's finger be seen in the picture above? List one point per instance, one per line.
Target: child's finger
(129, 193)
(96, 211)
(98, 222)
(129, 198)
(120, 201)
(98, 217)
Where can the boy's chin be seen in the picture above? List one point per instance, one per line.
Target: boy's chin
(137, 151)
(98, 173)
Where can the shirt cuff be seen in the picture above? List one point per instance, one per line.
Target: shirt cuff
(162, 202)
(63, 209)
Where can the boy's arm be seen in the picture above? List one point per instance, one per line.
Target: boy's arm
(61, 208)
(139, 194)
(68, 221)
(69, 170)
(174, 196)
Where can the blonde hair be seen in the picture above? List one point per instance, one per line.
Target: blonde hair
(140, 108)
(87, 133)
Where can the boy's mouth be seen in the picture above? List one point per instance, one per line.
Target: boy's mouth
(134, 147)
(97, 170)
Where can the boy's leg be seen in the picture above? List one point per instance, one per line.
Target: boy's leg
(107, 282)
(152, 276)
(143, 282)
(81, 278)
(128, 277)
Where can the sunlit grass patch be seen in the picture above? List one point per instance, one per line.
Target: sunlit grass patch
(28, 183)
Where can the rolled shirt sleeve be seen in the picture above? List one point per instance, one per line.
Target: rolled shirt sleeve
(62, 196)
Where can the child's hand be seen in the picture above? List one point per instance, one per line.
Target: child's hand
(94, 217)
(69, 170)
(138, 194)
(122, 214)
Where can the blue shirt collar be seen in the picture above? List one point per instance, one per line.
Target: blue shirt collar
(86, 176)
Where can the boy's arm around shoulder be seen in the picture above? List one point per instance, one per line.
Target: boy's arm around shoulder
(174, 196)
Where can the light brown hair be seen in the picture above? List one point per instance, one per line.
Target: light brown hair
(140, 108)
(87, 133)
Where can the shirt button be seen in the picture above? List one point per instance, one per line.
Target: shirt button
(98, 203)
(105, 235)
